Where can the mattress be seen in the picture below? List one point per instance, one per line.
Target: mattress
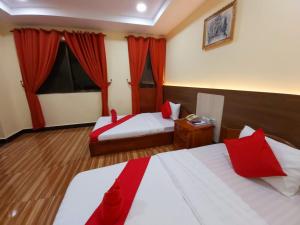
(139, 125)
(196, 186)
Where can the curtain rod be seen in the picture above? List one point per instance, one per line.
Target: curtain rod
(162, 38)
(61, 32)
(100, 33)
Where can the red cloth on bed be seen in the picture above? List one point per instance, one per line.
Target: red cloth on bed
(94, 134)
(114, 116)
(109, 211)
(166, 110)
(116, 203)
(252, 156)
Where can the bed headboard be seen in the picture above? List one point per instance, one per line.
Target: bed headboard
(229, 133)
(211, 106)
(277, 114)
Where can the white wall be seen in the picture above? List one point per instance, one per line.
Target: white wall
(14, 113)
(1, 132)
(61, 109)
(118, 71)
(264, 55)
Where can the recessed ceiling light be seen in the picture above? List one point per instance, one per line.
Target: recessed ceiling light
(22, 0)
(141, 7)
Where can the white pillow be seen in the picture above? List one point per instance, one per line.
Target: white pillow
(289, 159)
(247, 131)
(175, 108)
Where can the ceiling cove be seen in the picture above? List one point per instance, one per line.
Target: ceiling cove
(123, 11)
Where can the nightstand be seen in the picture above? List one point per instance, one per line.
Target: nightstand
(187, 135)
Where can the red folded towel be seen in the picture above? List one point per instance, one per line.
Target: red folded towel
(111, 205)
(116, 203)
(114, 117)
(110, 208)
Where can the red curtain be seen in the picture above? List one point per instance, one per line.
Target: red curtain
(89, 49)
(137, 51)
(36, 51)
(157, 50)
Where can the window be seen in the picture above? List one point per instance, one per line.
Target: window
(147, 77)
(67, 75)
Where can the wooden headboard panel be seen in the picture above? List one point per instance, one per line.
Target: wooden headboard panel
(277, 114)
(228, 133)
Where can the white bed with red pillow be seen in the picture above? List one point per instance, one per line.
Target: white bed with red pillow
(139, 125)
(195, 186)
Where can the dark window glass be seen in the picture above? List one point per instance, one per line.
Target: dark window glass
(67, 75)
(81, 80)
(147, 77)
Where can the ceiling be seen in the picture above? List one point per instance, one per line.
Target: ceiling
(160, 17)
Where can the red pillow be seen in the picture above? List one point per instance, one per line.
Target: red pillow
(251, 156)
(114, 117)
(166, 110)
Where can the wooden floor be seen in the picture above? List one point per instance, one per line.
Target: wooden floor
(35, 170)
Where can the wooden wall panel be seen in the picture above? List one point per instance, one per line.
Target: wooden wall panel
(277, 114)
(147, 99)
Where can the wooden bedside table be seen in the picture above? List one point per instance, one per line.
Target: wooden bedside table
(187, 135)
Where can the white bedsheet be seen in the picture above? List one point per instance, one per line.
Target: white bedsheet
(275, 208)
(157, 201)
(211, 200)
(139, 125)
(190, 187)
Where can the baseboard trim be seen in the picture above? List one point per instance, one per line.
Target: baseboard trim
(25, 131)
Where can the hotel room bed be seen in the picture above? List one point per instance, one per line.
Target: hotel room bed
(141, 131)
(195, 186)
(139, 125)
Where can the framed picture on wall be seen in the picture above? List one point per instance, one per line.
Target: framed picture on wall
(219, 27)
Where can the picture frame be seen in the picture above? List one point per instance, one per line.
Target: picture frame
(219, 27)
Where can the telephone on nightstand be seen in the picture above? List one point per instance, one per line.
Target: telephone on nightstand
(197, 120)
(192, 117)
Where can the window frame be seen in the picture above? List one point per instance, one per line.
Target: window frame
(145, 84)
(69, 74)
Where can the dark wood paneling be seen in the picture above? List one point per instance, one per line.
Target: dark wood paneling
(277, 114)
(229, 133)
(147, 99)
